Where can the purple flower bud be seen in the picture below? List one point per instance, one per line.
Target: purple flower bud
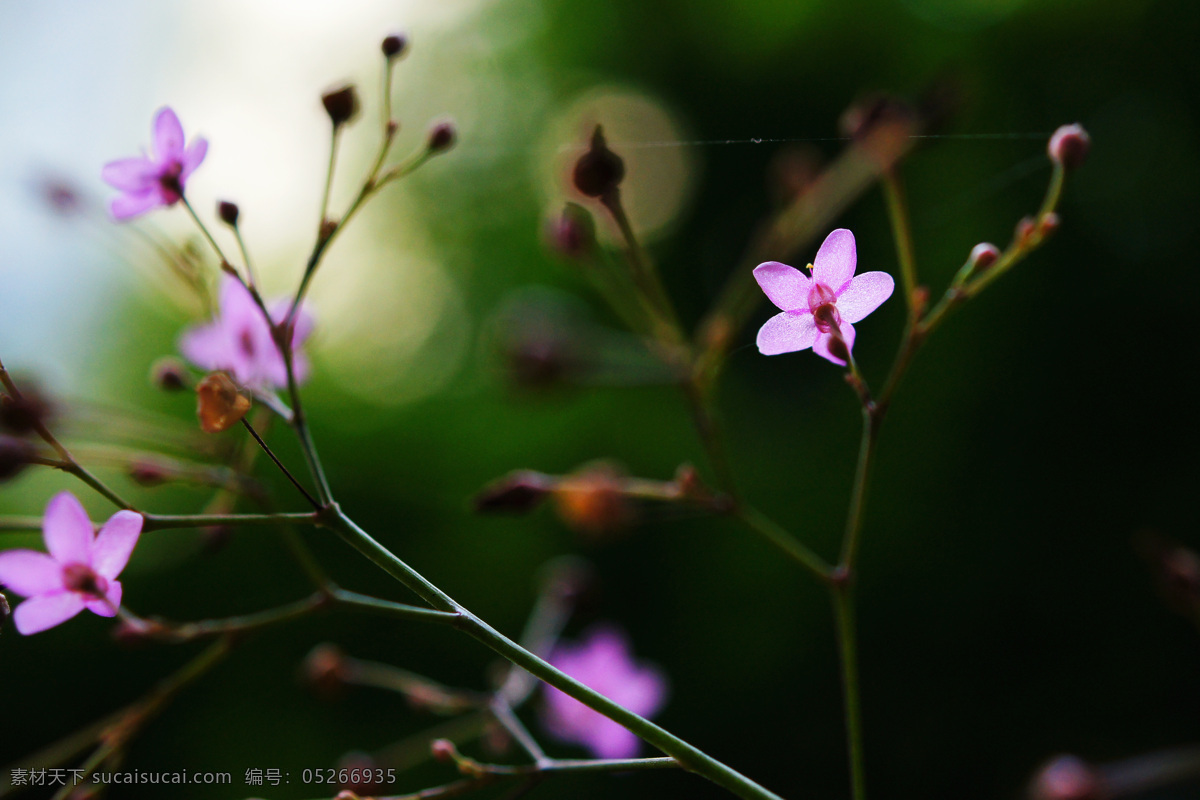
(341, 104)
(15, 456)
(395, 45)
(599, 171)
(442, 136)
(1067, 778)
(443, 750)
(22, 415)
(170, 375)
(146, 472)
(983, 255)
(1069, 146)
(1048, 224)
(228, 212)
(516, 493)
(573, 234)
(326, 670)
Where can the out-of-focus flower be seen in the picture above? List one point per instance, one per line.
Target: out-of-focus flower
(602, 661)
(158, 179)
(1067, 778)
(820, 309)
(79, 572)
(240, 341)
(1069, 146)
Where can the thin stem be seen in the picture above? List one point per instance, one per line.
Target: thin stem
(334, 140)
(897, 206)
(508, 719)
(644, 274)
(858, 496)
(204, 230)
(253, 280)
(279, 464)
(843, 606)
(708, 430)
(178, 632)
(362, 602)
(158, 522)
(789, 544)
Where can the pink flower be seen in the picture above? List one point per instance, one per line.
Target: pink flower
(240, 341)
(155, 180)
(602, 662)
(79, 572)
(814, 308)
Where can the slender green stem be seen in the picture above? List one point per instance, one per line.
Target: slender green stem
(362, 602)
(334, 140)
(708, 429)
(644, 273)
(241, 242)
(858, 495)
(789, 544)
(205, 232)
(158, 522)
(897, 206)
(843, 606)
(275, 459)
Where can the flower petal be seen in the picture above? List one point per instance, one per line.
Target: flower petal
(644, 692)
(30, 573)
(67, 530)
(106, 607)
(787, 287)
(865, 293)
(130, 174)
(45, 611)
(193, 157)
(206, 346)
(786, 333)
(168, 136)
(128, 206)
(610, 740)
(115, 542)
(821, 347)
(836, 260)
(238, 309)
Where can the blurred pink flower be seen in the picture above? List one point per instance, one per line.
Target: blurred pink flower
(80, 570)
(150, 181)
(602, 662)
(813, 307)
(239, 340)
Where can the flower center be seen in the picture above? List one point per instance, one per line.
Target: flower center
(822, 303)
(168, 179)
(246, 341)
(83, 579)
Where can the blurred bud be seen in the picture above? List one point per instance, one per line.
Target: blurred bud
(228, 212)
(146, 472)
(442, 136)
(215, 537)
(874, 112)
(394, 46)
(5, 609)
(15, 456)
(1067, 778)
(573, 233)
(983, 255)
(1026, 229)
(1069, 146)
(1176, 571)
(341, 104)
(134, 632)
(516, 493)
(920, 299)
(60, 195)
(219, 405)
(23, 415)
(496, 740)
(326, 670)
(599, 171)
(592, 500)
(170, 375)
(1048, 224)
(443, 750)
(358, 768)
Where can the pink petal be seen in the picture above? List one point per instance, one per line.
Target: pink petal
(30, 573)
(206, 346)
(644, 692)
(787, 287)
(238, 309)
(835, 261)
(168, 136)
(115, 542)
(111, 602)
(193, 157)
(821, 347)
(128, 206)
(67, 530)
(609, 740)
(130, 174)
(45, 611)
(865, 293)
(786, 333)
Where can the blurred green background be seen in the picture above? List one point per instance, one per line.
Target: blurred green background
(1005, 615)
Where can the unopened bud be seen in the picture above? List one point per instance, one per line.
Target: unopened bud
(443, 750)
(442, 136)
(573, 233)
(516, 493)
(149, 473)
(395, 45)
(340, 104)
(1067, 778)
(228, 212)
(919, 299)
(1069, 146)
(1048, 224)
(15, 456)
(23, 415)
(355, 772)
(599, 171)
(983, 255)
(838, 349)
(1026, 229)
(593, 500)
(326, 670)
(219, 404)
(170, 375)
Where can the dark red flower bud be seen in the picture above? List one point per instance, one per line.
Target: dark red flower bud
(516, 493)
(22, 415)
(355, 771)
(146, 472)
(395, 45)
(341, 104)
(15, 456)
(838, 349)
(170, 375)
(326, 670)
(1048, 224)
(1069, 146)
(983, 255)
(443, 750)
(573, 233)
(228, 212)
(1026, 229)
(599, 171)
(442, 136)
(593, 500)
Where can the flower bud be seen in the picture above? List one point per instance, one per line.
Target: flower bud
(326, 670)
(394, 46)
(1048, 224)
(228, 212)
(593, 501)
(599, 171)
(573, 234)
(357, 768)
(1025, 232)
(983, 255)
(170, 375)
(22, 415)
(15, 456)
(516, 493)
(219, 405)
(340, 104)
(146, 472)
(1069, 146)
(1067, 778)
(443, 750)
(442, 136)
(838, 349)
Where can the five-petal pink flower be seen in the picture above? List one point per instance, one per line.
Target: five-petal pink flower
(602, 661)
(817, 309)
(79, 572)
(240, 341)
(150, 181)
